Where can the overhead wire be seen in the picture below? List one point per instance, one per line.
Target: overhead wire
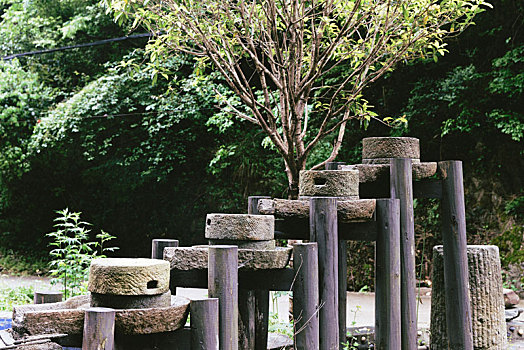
(69, 47)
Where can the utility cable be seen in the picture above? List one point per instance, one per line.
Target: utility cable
(69, 47)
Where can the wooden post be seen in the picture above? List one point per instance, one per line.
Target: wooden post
(223, 284)
(158, 245)
(342, 277)
(99, 329)
(401, 187)
(458, 306)
(324, 230)
(305, 296)
(246, 319)
(261, 295)
(333, 165)
(204, 324)
(387, 276)
(40, 297)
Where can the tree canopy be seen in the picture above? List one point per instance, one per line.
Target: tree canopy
(279, 56)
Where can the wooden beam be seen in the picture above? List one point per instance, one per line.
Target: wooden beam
(305, 296)
(324, 231)
(223, 284)
(401, 188)
(387, 276)
(204, 324)
(261, 295)
(458, 306)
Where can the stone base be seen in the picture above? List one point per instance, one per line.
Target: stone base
(385, 160)
(359, 210)
(189, 258)
(130, 301)
(240, 227)
(487, 301)
(53, 318)
(328, 183)
(259, 245)
(380, 172)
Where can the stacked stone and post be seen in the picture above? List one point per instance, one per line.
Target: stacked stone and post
(485, 294)
(323, 189)
(129, 298)
(252, 239)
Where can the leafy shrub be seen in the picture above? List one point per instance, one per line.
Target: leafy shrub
(73, 252)
(15, 296)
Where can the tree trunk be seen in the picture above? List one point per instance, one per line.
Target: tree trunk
(293, 182)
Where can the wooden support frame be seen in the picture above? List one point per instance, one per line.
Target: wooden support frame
(99, 329)
(261, 298)
(387, 276)
(401, 187)
(342, 276)
(393, 218)
(456, 276)
(223, 284)
(158, 245)
(324, 230)
(306, 297)
(204, 324)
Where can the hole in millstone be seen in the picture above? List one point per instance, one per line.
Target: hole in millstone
(209, 221)
(152, 284)
(319, 181)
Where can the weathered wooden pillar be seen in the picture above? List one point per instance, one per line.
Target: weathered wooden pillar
(99, 329)
(305, 296)
(342, 276)
(458, 306)
(324, 230)
(261, 295)
(387, 276)
(204, 324)
(401, 187)
(223, 284)
(44, 297)
(158, 245)
(246, 319)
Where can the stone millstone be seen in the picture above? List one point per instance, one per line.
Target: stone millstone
(240, 227)
(260, 245)
(153, 320)
(487, 301)
(328, 183)
(378, 150)
(44, 346)
(380, 172)
(131, 301)
(189, 258)
(52, 318)
(358, 210)
(123, 276)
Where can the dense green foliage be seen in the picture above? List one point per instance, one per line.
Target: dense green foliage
(468, 106)
(149, 161)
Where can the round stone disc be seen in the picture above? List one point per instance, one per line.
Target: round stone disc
(125, 276)
(240, 227)
(329, 183)
(131, 301)
(379, 149)
(68, 318)
(260, 245)
(188, 258)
